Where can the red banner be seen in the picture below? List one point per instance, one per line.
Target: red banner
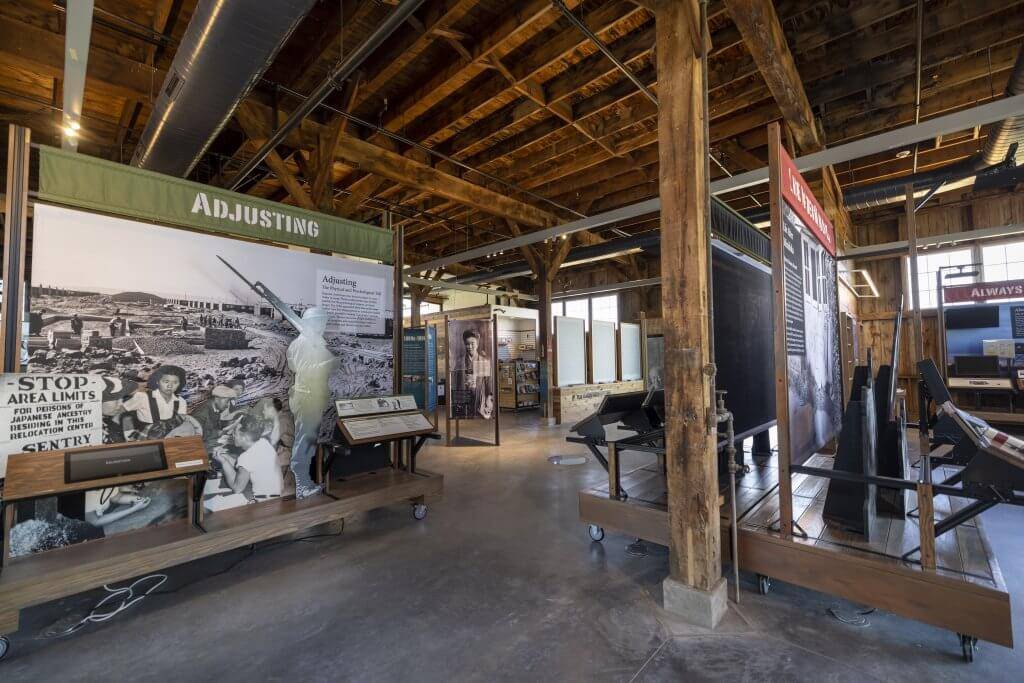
(800, 198)
(983, 291)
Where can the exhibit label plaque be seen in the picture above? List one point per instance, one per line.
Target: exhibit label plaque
(374, 405)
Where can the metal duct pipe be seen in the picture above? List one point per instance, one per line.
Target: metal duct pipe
(1011, 130)
(225, 50)
(341, 72)
(892, 190)
(1001, 140)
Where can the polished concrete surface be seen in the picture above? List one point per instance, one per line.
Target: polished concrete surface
(499, 582)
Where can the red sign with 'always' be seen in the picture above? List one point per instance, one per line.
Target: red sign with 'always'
(983, 291)
(799, 196)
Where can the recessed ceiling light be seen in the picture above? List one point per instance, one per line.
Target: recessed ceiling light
(903, 154)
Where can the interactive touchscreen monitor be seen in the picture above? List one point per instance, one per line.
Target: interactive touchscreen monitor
(115, 461)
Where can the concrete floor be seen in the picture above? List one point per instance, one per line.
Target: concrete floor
(500, 582)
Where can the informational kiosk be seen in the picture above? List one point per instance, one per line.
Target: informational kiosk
(472, 383)
(162, 311)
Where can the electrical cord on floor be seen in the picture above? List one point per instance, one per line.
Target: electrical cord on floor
(132, 594)
(859, 618)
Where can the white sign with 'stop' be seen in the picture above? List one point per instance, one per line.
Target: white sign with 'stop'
(42, 412)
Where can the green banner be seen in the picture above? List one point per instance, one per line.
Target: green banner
(77, 180)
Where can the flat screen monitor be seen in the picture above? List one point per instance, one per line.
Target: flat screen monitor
(116, 461)
(616, 406)
(972, 317)
(655, 404)
(976, 366)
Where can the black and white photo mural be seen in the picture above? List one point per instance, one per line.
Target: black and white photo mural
(195, 334)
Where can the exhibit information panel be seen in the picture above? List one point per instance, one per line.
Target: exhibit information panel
(419, 366)
(362, 429)
(629, 349)
(805, 241)
(602, 347)
(194, 334)
(570, 351)
(471, 364)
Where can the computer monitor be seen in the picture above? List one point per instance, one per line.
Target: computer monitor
(614, 407)
(976, 366)
(972, 317)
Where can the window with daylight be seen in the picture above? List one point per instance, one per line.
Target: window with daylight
(425, 308)
(1003, 261)
(605, 308)
(578, 308)
(928, 265)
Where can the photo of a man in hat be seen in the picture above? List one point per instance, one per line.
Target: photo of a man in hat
(116, 390)
(216, 416)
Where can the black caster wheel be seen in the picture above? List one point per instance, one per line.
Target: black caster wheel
(968, 645)
(596, 532)
(764, 584)
(419, 511)
(5, 646)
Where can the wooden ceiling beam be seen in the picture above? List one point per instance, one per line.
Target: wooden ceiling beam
(256, 128)
(109, 75)
(323, 178)
(410, 43)
(762, 33)
(859, 48)
(509, 32)
(955, 57)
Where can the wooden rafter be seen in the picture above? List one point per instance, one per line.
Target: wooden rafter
(762, 33)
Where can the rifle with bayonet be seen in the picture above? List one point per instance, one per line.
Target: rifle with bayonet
(273, 299)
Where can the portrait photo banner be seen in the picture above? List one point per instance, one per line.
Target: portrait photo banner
(81, 181)
(472, 395)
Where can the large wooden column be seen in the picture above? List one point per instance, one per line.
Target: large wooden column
(695, 589)
(544, 346)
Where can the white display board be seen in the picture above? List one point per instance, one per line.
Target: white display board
(629, 345)
(570, 350)
(602, 347)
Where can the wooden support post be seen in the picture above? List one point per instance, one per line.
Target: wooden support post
(781, 369)
(15, 228)
(447, 384)
(494, 380)
(614, 472)
(545, 348)
(926, 507)
(695, 589)
(415, 299)
(643, 349)
(397, 326)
